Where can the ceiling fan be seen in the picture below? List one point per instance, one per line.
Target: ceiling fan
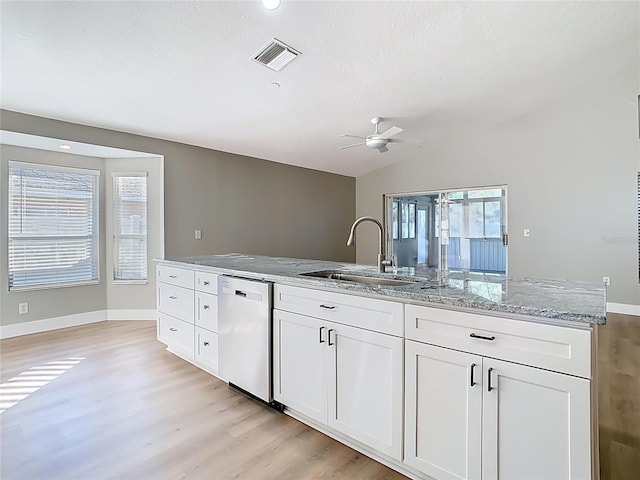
(376, 140)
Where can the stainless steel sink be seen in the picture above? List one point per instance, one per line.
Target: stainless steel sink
(348, 277)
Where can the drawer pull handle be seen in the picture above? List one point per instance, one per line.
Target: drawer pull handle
(206, 282)
(491, 339)
(329, 337)
(173, 297)
(206, 307)
(206, 344)
(240, 293)
(489, 387)
(473, 367)
(320, 333)
(327, 307)
(173, 276)
(173, 329)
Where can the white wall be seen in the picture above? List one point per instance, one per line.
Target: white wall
(570, 169)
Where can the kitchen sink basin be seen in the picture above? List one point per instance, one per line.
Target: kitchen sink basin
(348, 277)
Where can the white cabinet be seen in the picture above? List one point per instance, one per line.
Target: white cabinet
(365, 387)
(443, 411)
(347, 378)
(299, 363)
(471, 416)
(188, 314)
(536, 423)
(176, 334)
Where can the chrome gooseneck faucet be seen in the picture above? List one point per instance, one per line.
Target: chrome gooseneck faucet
(382, 261)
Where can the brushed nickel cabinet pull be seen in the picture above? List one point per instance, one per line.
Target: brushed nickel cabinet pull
(173, 329)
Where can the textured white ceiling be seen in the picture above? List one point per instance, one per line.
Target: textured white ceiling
(182, 70)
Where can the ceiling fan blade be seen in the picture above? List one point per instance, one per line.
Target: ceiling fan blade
(352, 136)
(390, 133)
(383, 149)
(349, 146)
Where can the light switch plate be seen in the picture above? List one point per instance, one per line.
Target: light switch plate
(198, 234)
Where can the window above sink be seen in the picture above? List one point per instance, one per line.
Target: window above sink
(452, 230)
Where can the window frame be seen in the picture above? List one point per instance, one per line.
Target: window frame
(442, 199)
(93, 238)
(117, 235)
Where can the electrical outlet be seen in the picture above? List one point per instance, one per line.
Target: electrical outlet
(23, 308)
(606, 280)
(527, 232)
(198, 234)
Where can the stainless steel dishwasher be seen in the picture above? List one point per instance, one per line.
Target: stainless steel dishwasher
(244, 335)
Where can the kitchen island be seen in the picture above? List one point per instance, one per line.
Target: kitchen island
(456, 376)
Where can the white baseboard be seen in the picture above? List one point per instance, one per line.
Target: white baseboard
(623, 308)
(36, 326)
(132, 314)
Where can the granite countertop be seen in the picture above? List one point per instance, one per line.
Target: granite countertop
(551, 301)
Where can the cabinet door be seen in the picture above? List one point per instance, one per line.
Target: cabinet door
(535, 423)
(443, 413)
(365, 387)
(206, 310)
(299, 354)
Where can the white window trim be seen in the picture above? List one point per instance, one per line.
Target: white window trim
(115, 281)
(95, 218)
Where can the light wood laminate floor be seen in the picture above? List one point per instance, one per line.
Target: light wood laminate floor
(619, 397)
(120, 406)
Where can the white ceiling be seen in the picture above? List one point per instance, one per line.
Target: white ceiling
(182, 71)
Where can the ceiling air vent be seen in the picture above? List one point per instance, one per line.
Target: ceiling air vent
(276, 55)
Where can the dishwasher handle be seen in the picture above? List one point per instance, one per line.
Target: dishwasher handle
(240, 293)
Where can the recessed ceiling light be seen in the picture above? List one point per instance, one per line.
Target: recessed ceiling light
(271, 4)
(65, 147)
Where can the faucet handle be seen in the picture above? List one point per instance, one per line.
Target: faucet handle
(387, 263)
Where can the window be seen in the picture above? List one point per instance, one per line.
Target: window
(130, 227)
(455, 229)
(53, 226)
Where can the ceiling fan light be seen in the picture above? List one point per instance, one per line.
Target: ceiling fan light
(271, 4)
(376, 142)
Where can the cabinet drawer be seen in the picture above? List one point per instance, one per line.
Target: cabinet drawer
(207, 348)
(369, 313)
(175, 276)
(561, 349)
(176, 301)
(207, 311)
(207, 282)
(178, 335)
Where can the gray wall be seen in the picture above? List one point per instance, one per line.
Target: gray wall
(570, 170)
(241, 204)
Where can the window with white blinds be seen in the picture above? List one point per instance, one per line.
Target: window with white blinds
(53, 226)
(130, 227)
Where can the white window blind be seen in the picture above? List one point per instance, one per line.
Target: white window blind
(53, 226)
(130, 227)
